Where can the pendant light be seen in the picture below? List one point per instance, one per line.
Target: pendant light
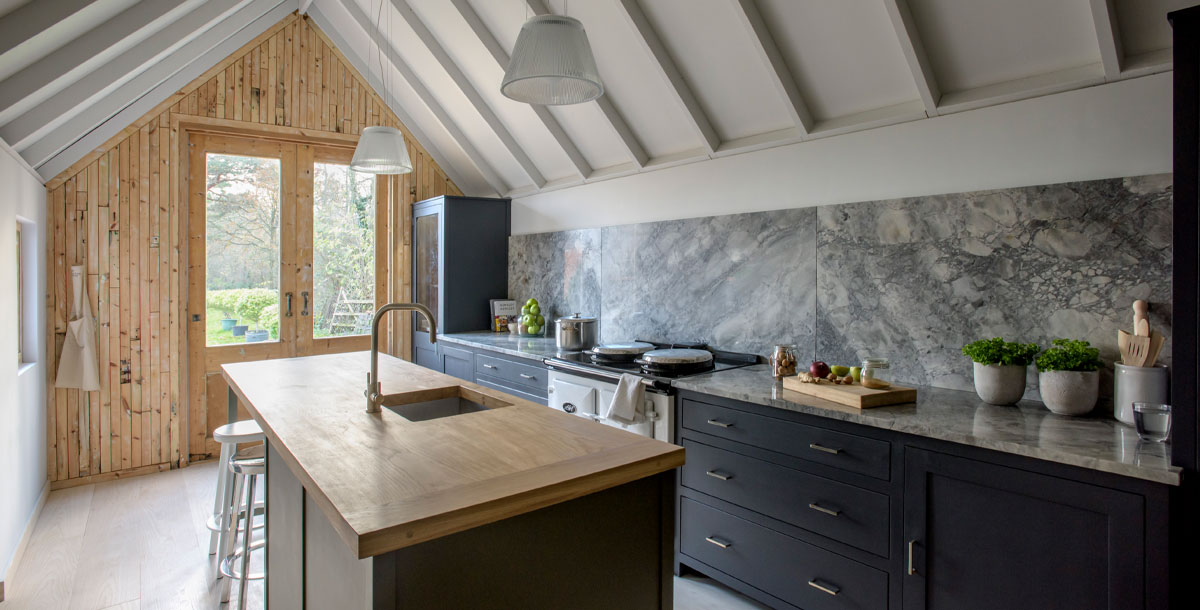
(381, 149)
(552, 64)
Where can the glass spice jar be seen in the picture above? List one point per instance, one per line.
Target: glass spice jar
(783, 361)
(876, 373)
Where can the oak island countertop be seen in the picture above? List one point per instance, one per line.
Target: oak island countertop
(385, 482)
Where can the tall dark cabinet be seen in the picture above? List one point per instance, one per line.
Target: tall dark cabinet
(1185, 280)
(460, 262)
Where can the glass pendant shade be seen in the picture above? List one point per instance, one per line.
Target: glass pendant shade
(552, 64)
(381, 150)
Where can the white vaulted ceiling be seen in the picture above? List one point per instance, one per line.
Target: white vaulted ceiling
(686, 80)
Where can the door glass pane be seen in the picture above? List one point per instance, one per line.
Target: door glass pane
(343, 251)
(242, 198)
(426, 280)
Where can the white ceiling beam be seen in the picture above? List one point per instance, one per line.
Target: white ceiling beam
(914, 54)
(501, 56)
(768, 52)
(637, 152)
(1022, 88)
(652, 44)
(113, 74)
(303, 6)
(426, 96)
(1104, 16)
(85, 131)
(80, 55)
(464, 84)
(32, 19)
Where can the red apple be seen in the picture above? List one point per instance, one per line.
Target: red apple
(819, 369)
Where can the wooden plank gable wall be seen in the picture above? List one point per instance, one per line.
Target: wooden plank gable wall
(120, 213)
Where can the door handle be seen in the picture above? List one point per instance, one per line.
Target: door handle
(912, 568)
(288, 296)
(717, 541)
(827, 588)
(304, 311)
(824, 448)
(827, 511)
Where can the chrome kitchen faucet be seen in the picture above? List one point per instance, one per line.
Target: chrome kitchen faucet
(373, 386)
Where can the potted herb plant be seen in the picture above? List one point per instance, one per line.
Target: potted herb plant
(1069, 377)
(1000, 368)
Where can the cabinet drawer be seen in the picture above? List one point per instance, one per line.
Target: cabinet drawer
(794, 571)
(528, 376)
(508, 388)
(838, 449)
(845, 513)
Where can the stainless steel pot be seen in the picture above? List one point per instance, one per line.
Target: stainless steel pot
(575, 333)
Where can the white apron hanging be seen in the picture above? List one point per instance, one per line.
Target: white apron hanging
(77, 365)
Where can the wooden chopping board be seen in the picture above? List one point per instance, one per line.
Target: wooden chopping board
(852, 395)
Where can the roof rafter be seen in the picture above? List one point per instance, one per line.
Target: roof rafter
(456, 74)
(422, 92)
(32, 19)
(1104, 15)
(501, 56)
(768, 52)
(914, 54)
(652, 44)
(637, 152)
(80, 55)
(112, 74)
(80, 134)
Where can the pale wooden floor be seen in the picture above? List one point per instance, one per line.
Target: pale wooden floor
(140, 543)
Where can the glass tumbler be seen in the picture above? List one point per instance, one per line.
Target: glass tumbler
(1152, 420)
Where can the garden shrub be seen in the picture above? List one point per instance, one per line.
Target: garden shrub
(252, 303)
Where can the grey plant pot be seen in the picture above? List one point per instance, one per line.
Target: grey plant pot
(1000, 384)
(1069, 392)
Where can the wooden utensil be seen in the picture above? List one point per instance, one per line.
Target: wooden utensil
(852, 395)
(1141, 323)
(1134, 349)
(1156, 343)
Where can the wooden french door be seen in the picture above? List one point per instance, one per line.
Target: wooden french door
(284, 259)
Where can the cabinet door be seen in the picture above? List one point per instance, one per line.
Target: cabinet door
(986, 537)
(427, 236)
(458, 362)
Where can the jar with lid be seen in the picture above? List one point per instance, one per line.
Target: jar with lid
(876, 373)
(783, 361)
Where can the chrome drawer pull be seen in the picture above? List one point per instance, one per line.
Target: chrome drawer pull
(721, 543)
(827, 511)
(524, 376)
(489, 366)
(718, 475)
(828, 588)
(823, 448)
(717, 422)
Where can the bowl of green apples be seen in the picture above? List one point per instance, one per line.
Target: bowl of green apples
(531, 323)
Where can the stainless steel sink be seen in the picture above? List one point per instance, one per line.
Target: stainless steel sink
(436, 403)
(436, 409)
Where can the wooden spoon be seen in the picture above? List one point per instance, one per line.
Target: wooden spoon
(1134, 349)
(1141, 323)
(1156, 343)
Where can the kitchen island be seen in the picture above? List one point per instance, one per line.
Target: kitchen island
(471, 498)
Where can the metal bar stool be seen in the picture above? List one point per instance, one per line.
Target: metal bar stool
(230, 436)
(245, 472)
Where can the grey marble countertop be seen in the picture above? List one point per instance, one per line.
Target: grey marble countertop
(1097, 443)
(533, 348)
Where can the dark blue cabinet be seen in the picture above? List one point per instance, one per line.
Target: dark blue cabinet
(460, 262)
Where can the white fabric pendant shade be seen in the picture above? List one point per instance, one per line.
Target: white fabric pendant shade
(78, 365)
(552, 64)
(381, 150)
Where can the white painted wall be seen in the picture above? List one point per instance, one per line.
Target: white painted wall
(1114, 130)
(22, 388)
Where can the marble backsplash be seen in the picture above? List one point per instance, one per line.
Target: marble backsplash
(908, 279)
